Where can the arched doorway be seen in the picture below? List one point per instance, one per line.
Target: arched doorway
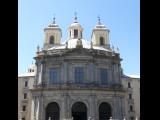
(79, 111)
(105, 111)
(52, 111)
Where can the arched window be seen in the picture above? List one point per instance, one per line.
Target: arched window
(101, 41)
(51, 40)
(75, 33)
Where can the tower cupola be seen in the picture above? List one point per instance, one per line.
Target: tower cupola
(75, 30)
(53, 35)
(100, 35)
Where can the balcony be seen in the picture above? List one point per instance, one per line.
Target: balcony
(129, 89)
(130, 101)
(25, 89)
(71, 85)
(131, 113)
(24, 101)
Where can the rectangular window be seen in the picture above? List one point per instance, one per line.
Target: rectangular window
(131, 108)
(75, 33)
(79, 74)
(24, 108)
(25, 95)
(53, 75)
(103, 76)
(130, 96)
(26, 84)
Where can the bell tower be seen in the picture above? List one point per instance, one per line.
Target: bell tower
(75, 30)
(100, 35)
(53, 35)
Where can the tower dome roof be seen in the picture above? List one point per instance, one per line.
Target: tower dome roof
(75, 24)
(53, 25)
(100, 25)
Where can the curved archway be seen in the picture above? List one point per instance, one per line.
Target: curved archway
(79, 111)
(101, 41)
(51, 40)
(105, 111)
(53, 111)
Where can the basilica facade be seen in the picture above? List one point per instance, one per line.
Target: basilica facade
(77, 79)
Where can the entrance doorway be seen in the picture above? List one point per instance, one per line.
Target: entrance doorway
(52, 111)
(79, 111)
(104, 111)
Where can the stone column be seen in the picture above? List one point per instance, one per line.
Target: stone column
(64, 73)
(36, 109)
(115, 107)
(32, 108)
(123, 106)
(40, 74)
(92, 107)
(35, 104)
(70, 73)
(96, 74)
(41, 107)
(117, 73)
(118, 113)
(65, 107)
(113, 75)
(91, 71)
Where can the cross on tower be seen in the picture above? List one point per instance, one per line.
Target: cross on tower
(99, 20)
(54, 18)
(75, 18)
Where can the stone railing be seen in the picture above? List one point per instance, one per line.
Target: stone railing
(70, 85)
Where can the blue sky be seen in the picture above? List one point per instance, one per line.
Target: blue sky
(122, 17)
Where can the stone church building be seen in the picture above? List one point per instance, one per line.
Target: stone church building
(75, 80)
